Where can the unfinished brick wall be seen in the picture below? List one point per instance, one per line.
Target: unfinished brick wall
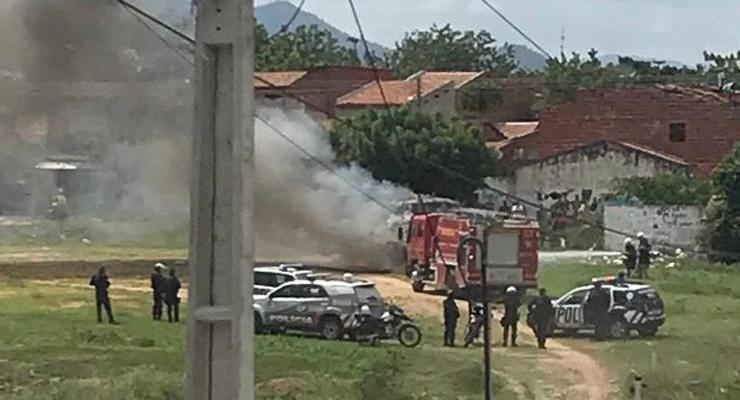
(643, 116)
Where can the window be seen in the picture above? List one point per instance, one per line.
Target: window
(677, 132)
(270, 279)
(288, 291)
(576, 298)
(368, 294)
(620, 298)
(314, 291)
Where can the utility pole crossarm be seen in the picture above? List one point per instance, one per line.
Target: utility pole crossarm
(220, 361)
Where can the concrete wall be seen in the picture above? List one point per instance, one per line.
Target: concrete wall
(679, 225)
(593, 168)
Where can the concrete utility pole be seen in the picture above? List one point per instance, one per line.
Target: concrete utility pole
(220, 361)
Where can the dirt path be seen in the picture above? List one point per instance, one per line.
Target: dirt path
(579, 376)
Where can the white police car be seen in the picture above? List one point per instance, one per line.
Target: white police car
(323, 306)
(632, 306)
(268, 278)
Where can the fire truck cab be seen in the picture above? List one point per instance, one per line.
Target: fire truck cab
(433, 260)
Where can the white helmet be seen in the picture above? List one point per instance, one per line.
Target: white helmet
(510, 289)
(640, 235)
(627, 241)
(365, 309)
(160, 266)
(348, 277)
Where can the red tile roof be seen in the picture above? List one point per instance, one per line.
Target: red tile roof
(405, 91)
(278, 79)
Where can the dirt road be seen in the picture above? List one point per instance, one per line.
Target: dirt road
(574, 374)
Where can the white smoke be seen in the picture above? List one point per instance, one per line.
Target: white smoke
(305, 210)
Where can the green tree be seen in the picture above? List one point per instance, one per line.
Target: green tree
(676, 188)
(722, 230)
(305, 47)
(447, 49)
(394, 145)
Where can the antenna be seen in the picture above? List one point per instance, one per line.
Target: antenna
(562, 41)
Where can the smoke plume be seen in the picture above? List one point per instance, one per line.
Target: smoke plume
(137, 131)
(304, 209)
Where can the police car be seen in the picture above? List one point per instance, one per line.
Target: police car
(268, 278)
(632, 306)
(323, 306)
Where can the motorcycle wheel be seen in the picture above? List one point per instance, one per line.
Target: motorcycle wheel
(409, 335)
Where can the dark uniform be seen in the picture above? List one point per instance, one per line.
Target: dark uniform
(159, 287)
(101, 283)
(597, 310)
(542, 312)
(643, 258)
(511, 316)
(171, 297)
(451, 314)
(630, 260)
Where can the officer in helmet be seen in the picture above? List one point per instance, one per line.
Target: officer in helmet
(630, 256)
(159, 289)
(511, 315)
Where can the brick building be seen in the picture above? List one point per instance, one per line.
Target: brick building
(319, 86)
(696, 125)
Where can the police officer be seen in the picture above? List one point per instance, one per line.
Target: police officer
(171, 297)
(630, 256)
(101, 283)
(511, 315)
(451, 314)
(542, 312)
(643, 256)
(159, 288)
(597, 309)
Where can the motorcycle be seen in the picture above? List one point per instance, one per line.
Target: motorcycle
(394, 323)
(475, 323)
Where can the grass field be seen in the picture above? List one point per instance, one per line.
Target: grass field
(695, 354)
(50, 348)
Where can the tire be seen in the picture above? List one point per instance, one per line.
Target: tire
(330, 328)
(409, 335)
(648, 331)
(618, 329)
(258, 325)
(417, 286)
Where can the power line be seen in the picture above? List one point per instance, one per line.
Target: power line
(368, 54)
(516, 28)
(284, 28)
(139, 17)
(156, 20)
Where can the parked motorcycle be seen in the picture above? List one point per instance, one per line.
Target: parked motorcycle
(394, 323)
(475, 323)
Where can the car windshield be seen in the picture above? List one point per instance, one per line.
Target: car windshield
(368, 294)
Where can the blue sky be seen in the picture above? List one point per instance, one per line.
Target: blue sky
(665, 29)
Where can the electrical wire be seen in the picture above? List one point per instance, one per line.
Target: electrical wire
(161, 38)
(368, 54)
(284, 28)
(516, 28)
(127, 5)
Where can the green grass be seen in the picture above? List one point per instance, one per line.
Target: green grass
(694, 356)
(51, 348)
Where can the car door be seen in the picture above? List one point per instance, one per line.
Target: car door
(313, 303)
(569, 312)
(281, 306)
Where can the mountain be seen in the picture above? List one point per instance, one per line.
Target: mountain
(528, 59)
(274, 15)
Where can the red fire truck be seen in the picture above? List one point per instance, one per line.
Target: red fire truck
(432, 257)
